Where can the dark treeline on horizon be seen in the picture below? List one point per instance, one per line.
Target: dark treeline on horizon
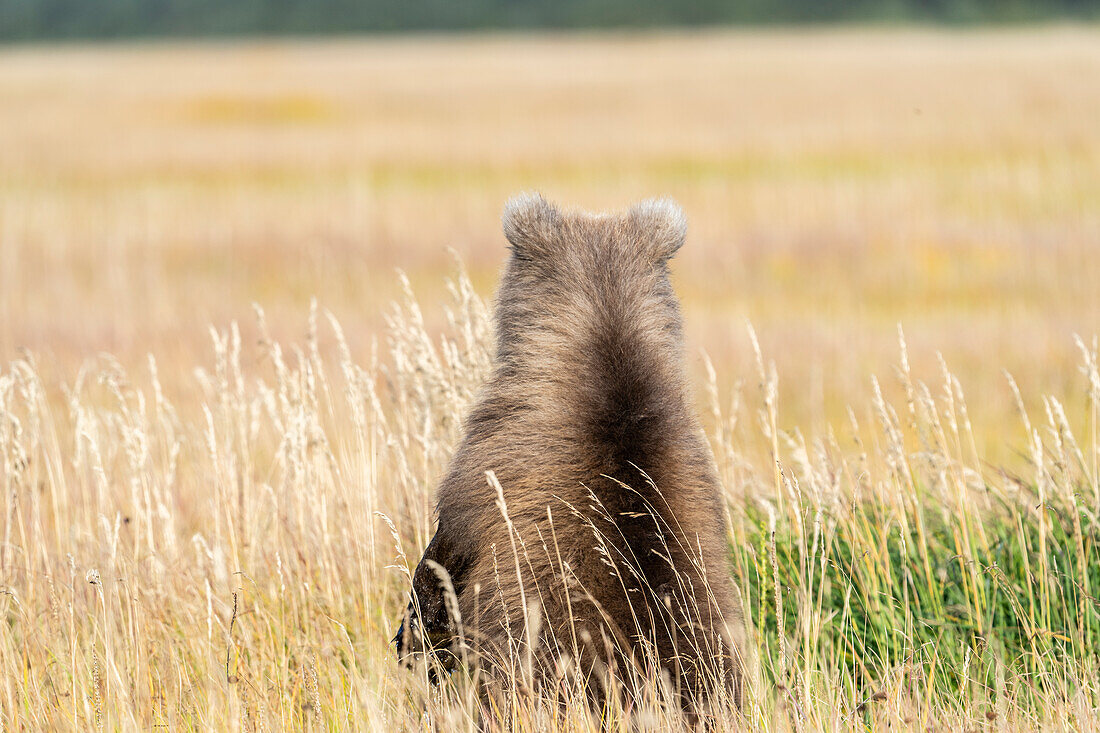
(73, 19)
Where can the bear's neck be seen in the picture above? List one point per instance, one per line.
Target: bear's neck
(609, 373)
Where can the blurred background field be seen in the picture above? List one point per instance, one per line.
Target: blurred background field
(837, 182)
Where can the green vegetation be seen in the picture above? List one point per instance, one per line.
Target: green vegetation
(899, 596)
(34, 19)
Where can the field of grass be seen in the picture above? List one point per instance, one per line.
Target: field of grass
(212, 489)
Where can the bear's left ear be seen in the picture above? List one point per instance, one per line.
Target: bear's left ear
(662, 223)
(530, 223)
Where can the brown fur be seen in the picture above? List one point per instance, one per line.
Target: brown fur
(610, 488)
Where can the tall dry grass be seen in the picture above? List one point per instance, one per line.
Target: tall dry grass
(239, 558)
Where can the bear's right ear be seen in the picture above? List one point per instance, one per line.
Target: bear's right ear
(530, 223)
(662, 223)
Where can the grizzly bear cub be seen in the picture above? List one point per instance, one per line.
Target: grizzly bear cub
(581, 525)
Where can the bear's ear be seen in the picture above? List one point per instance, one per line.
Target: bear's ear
(530, 223)
(661, 223)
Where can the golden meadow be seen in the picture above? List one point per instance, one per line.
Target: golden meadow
(223, 409)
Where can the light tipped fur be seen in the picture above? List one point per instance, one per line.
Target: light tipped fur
(655, 227)
(529, 219)
(664, 221)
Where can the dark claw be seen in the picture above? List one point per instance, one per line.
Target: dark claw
(427, 631)
(437, 653)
